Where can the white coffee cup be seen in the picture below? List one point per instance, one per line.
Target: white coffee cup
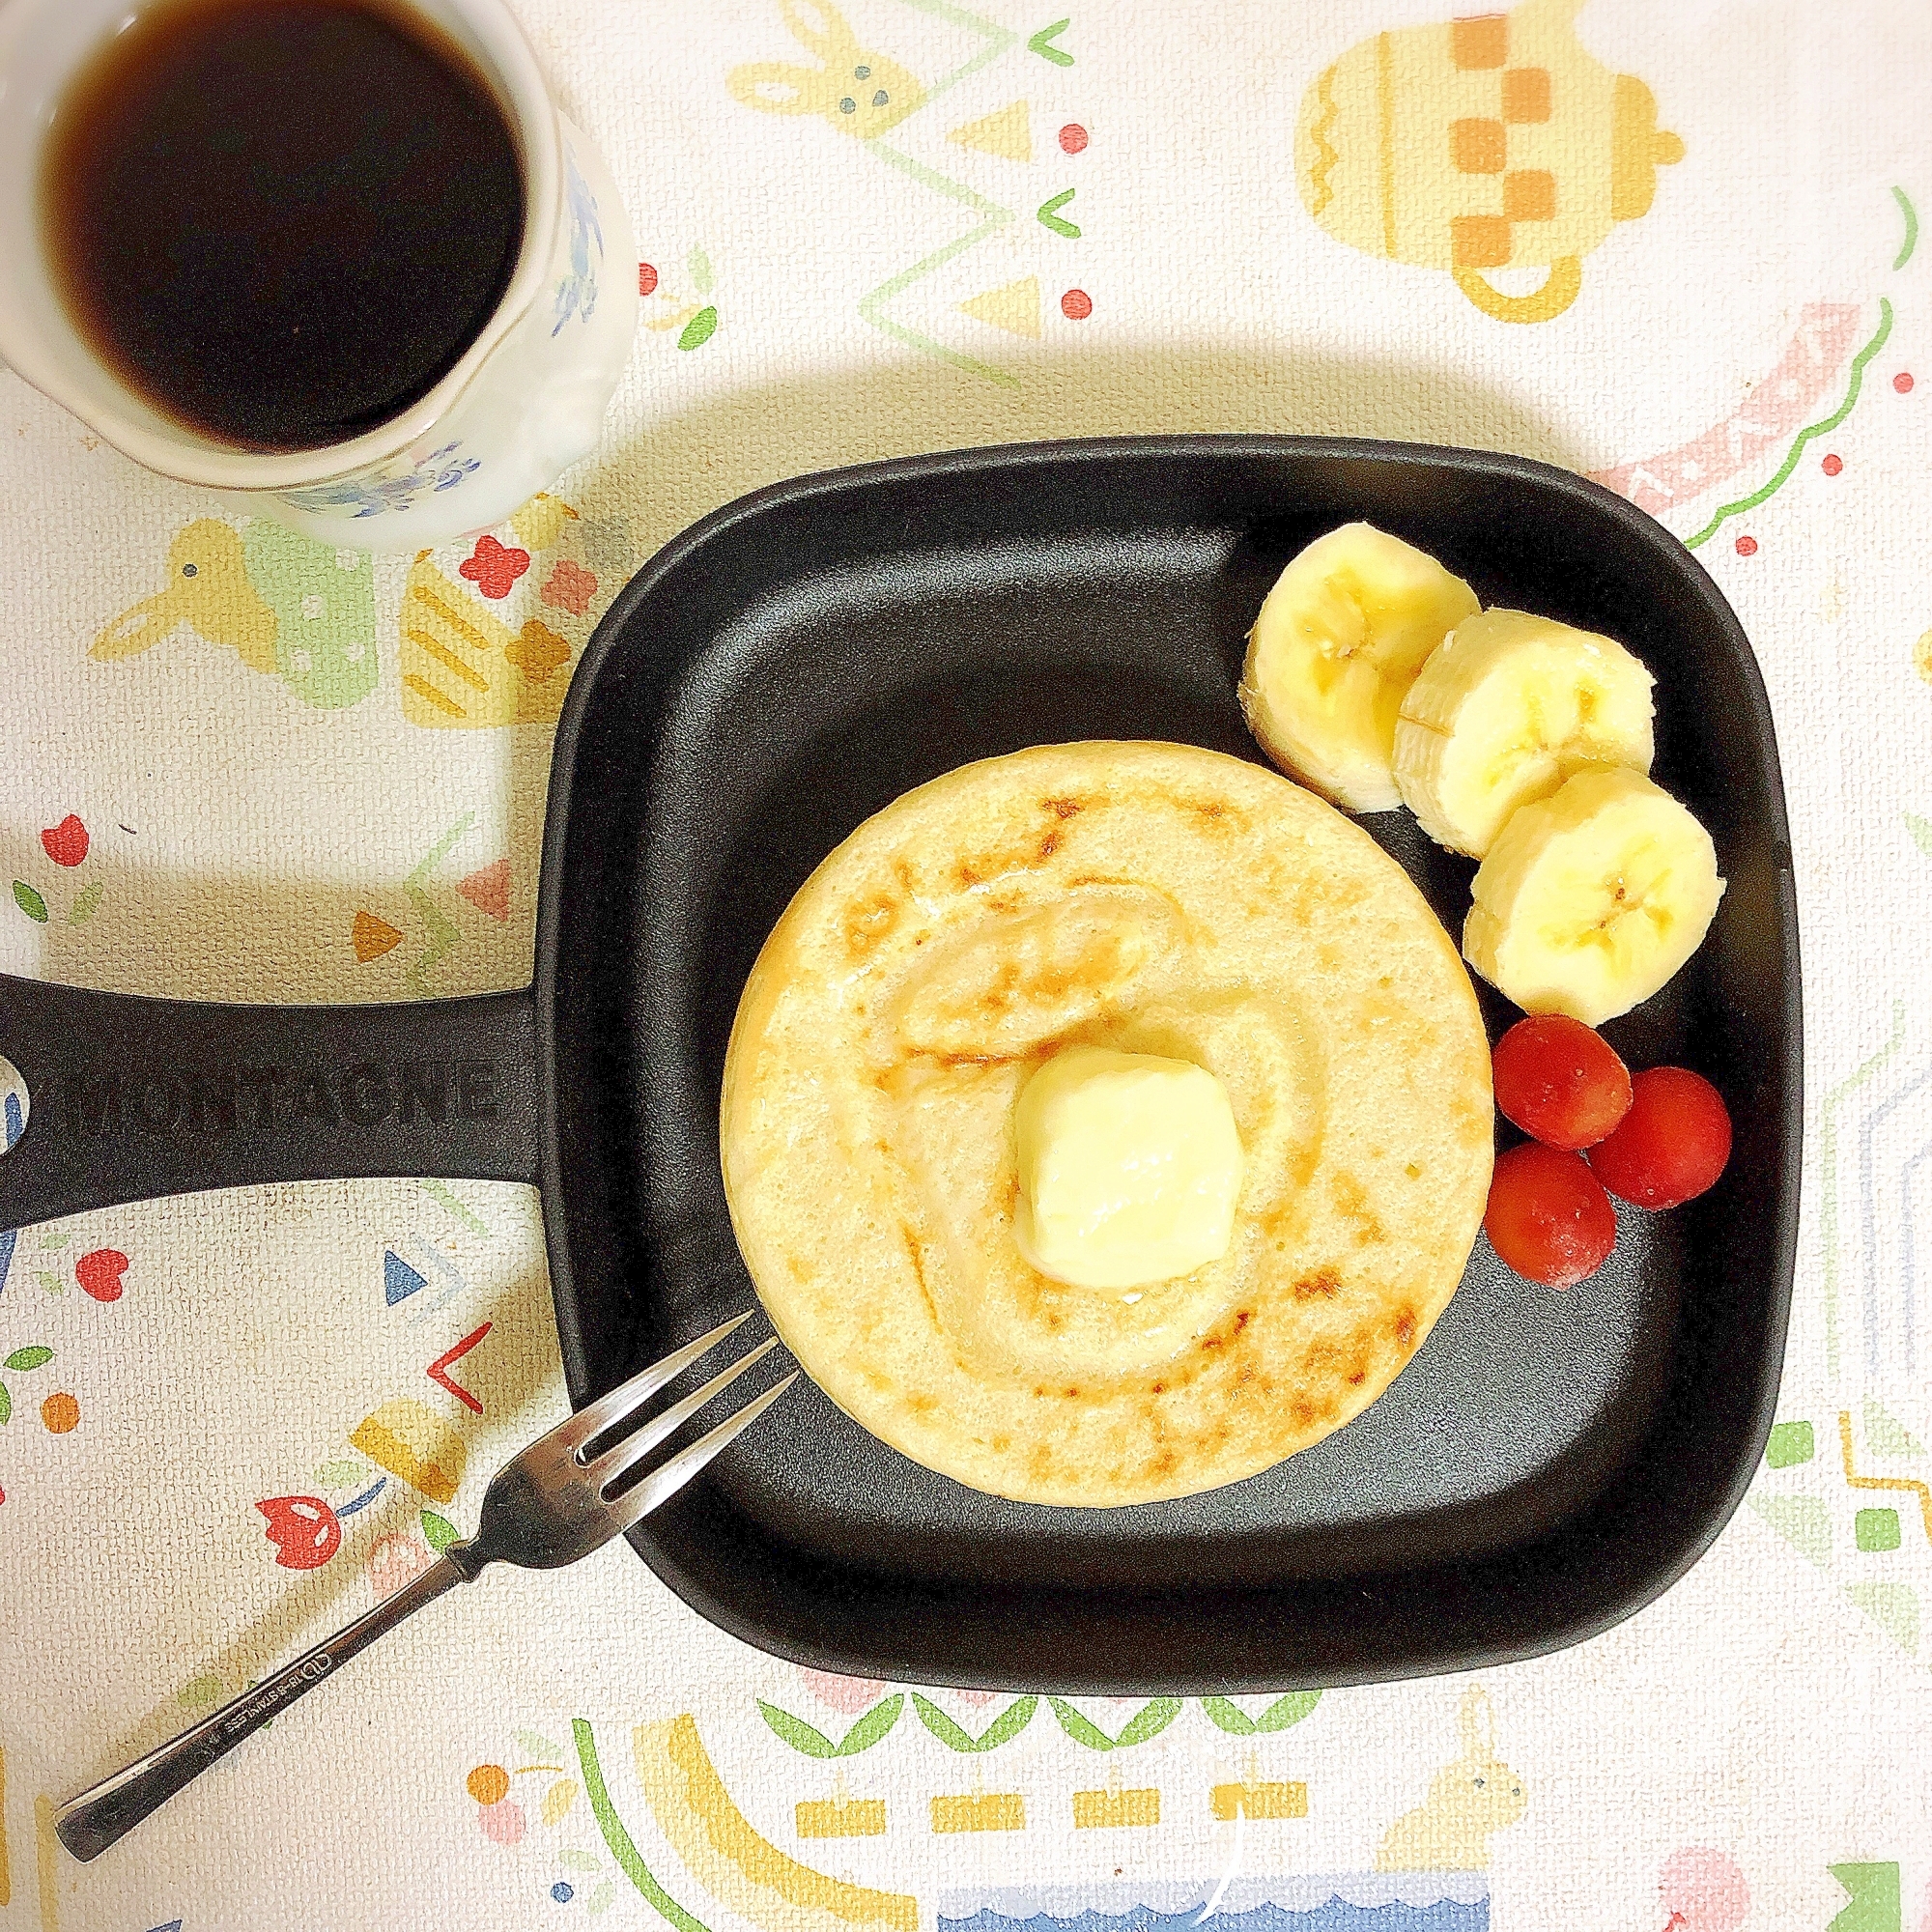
(526, 399)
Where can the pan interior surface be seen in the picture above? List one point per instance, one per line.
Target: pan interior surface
(1544, 1464)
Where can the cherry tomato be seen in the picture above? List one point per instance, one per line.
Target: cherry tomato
(1549, 1216)
(1560, 1081)
(1672, 1144)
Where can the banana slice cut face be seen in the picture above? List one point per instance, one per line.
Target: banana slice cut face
(1504, 712)
(1591, 899)
(1333, 653)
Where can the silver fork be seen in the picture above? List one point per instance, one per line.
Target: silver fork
(558, 1500)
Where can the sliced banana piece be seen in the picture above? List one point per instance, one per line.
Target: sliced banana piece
(1509, 707)
(1593, 897)
(1336, 646)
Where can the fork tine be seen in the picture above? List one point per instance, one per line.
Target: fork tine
(623, 1456)
(609, 1410)
(663, 1483)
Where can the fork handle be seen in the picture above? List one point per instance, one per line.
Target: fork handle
(88, 1824)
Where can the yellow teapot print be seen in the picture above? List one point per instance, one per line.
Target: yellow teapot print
(1494, 142)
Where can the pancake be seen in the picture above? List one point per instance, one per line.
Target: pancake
(1153, 898)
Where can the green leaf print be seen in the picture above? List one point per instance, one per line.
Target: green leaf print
(1008, 1724)
(796, 1732)
(439, 1532)
(1286, 1710)
(1921, 832)
(697, 265)
(30, 901)
(23, 1360)
(1152, 1719)
(6, 1405)
(872, 1727)
(1083, 1730)
(697, 332)
(84, 904)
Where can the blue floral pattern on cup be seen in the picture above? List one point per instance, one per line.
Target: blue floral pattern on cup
(576, 292)
(391, 487)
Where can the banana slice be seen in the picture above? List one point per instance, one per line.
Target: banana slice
(1506, 710)
(1337, 642)
(1593, 897)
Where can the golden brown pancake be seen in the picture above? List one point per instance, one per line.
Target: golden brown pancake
(1156, 898)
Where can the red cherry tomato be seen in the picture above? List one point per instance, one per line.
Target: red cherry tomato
(1549, 1216)
(1672, 1144)
(1560, 1082)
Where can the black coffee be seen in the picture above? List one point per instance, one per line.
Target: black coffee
(280, 222)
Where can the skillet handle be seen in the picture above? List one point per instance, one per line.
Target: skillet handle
(128, 1098)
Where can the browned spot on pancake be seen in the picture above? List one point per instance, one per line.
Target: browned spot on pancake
(1217, 815)
(868, 922)
(1301, 1411)
(1413, 1172)
(1160, 1388)
(902, 873)
(1162, 1464)
(1352, 1202)
(919, 1269)
(920, 1405)
(967, 876)
(1040, 1391)
(1403, 1327)
(1356, 1380)
(1048, 846)
(1072, 1391)
(1009, 1201)
(1245, 1373)
(1211, 1340)
(1323, 1282)
(1001, 1444)
(1242, 1317)
(1061, 808)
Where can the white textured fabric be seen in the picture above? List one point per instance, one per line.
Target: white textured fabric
(817, 296)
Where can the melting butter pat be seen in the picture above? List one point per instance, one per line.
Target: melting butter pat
(1130, 1167)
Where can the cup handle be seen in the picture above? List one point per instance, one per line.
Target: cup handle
(1561, 288)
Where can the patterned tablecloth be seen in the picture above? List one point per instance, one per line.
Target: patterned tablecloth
(1673, 245)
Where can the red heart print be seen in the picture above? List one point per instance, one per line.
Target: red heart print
(101, 1272)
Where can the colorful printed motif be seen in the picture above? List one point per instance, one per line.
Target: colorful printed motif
(727, 1859)
(694, 317)
(305, 614)
(300, 611)
(1768, 413)
(1483, 144)
(67, 845)
(863, 95)
(1846, 1481)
